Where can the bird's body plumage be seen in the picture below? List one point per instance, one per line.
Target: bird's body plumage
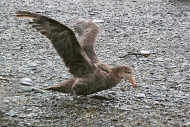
(90, 75)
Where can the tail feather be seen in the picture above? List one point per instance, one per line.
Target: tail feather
(64, 87)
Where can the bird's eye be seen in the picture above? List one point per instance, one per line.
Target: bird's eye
(128, 72)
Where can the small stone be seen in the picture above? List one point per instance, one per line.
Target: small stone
(186, 124)
(114, 119)
(12, 113)
(37, 90)
(6, 101)
(1, 114)
(140, 95)
(125, 108)
(28, 109)
(95, 11)
(40, 11)
(29, 124)
(145, 53)
(159, 59)
(33, 64)
(26, 81)
(2, 78)
(98, 21)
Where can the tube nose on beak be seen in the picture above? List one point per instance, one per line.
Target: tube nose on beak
(132, 81)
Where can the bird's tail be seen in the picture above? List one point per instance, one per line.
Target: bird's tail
(64, 87)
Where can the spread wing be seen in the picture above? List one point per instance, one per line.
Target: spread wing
(88, 32)
(64, 41)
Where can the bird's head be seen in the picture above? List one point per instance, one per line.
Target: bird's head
(126, 72)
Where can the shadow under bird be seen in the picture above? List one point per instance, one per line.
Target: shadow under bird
(89, 74)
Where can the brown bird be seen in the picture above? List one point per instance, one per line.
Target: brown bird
(90, 75)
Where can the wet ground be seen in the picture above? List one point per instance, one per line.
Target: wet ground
(162, 98)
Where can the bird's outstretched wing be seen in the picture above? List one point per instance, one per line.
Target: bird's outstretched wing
(88, 31)
(64, 41)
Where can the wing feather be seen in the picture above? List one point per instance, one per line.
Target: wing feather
(87, 31)
(64, 41)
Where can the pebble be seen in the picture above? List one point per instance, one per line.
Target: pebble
(140, 95)
(98, 21)
(26, 81)
(2, 78)
(40, 11)
(145, 53)
(186, 124)
(28, 109)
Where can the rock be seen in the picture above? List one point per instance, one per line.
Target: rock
(145, 53)
(40, 11)
(123, 108)
(186, 124)
(140, 95)
(2, 78)
(37, 90)
(28, 109)
(98, 21)
(26, 81)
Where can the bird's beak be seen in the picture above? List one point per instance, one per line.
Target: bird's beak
(132, 81)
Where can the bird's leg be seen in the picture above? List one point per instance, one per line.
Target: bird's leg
(80, 98)
(75, 96)
(85, 98)
(97, 97)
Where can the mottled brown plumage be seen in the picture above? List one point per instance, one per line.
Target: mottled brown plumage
(89, 74)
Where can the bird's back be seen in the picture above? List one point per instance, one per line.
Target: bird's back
(101, 80)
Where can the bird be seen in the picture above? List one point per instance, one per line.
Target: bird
(89, 74)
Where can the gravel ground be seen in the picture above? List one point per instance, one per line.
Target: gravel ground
(162, 98)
